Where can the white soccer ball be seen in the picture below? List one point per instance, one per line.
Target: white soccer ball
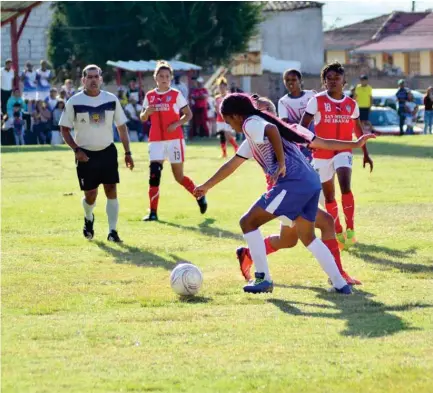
(186, 279)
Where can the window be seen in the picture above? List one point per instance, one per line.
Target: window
(414, 63)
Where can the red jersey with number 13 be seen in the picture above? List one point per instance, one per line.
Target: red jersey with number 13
(333, 119)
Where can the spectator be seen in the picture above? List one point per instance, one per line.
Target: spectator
(133, 90)
(62, 95)
(122, 97)
(199, 108)
(235, 89)
(364, 98)
(7, 78)
(179, 85)
(402, 94)
(411, 111)
(42, 123)
(43, 77)
(8, 135)
(56, 138)
(15, 99)
(52, 100)
(28, 76)
(68, 87)
(18, 124)
(428, 110)
(132, 112)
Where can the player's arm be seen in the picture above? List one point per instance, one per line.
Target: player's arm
(333, 144)
(147, 110)
(309, 113)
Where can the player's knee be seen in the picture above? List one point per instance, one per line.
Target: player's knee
(326, 225)
(222, 137)
(155, 174)
(90, 196)
(246, 224)
(345, 188)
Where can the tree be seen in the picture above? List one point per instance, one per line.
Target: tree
(199, 32)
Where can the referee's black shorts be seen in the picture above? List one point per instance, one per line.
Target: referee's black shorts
(102, 168)
(364, 114)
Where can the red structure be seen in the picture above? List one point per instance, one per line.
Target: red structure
(10, 12)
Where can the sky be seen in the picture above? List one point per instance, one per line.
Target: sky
(343, 12)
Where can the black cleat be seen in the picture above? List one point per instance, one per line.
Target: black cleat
(202, 202)
(113, 236)
(152, 216)
(88, 231)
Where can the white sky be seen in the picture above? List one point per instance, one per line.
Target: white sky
(354, 11)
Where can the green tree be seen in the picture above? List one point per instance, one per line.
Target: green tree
(199, 32)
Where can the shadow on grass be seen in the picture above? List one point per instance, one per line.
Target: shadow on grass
(138, 256)
(383, 148)
(195, 299)
(206, 229)
(371, 253)
(364, 317)
(33, 148)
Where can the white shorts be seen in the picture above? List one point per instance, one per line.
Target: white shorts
(30, 95)
(173, 151)
(326, 167)
(223, 126)
(41, 95)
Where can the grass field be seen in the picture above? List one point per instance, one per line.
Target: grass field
(83, 317)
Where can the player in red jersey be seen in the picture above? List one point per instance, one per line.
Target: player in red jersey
(223, 129)
(336, 116)
(288, 236)
(168, 110)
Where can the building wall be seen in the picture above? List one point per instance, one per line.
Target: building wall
(33, 43)
(399, 60)
(295, 35)
(336, 55)
(425, 66)
(378, 60)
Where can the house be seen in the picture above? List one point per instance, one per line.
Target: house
(293, 31)
(394, 44)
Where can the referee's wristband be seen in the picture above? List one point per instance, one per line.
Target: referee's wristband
(128, 153)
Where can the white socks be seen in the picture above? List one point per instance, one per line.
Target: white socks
(88, 210)
(112, 210)
(257, 248)
(327, 262)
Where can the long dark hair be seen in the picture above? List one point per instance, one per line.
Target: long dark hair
(242, 105)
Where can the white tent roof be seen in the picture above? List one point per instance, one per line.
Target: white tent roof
(146, 66)
(278, 66)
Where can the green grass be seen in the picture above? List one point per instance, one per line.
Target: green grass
(85, 317)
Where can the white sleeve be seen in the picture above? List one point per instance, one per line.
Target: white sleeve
(282, 110)
(244, 150)
(68, 115)
(312, 106)
(255, 129)
(181, 101)
(355, 113)
(145, 102)
(119, 116)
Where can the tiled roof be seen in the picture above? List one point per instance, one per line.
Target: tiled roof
(275, 6)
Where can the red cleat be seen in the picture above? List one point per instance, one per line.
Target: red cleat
(351, 280)
(245, 262)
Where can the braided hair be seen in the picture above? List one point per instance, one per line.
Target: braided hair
(335, 66)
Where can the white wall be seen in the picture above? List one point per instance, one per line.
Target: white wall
(295, 35)
(34, 39)
(425, 63)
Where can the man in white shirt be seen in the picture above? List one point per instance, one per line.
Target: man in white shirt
(91, 114)
(7, 78)
(179, 85)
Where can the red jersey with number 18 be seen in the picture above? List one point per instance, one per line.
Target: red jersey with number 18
(333, 119)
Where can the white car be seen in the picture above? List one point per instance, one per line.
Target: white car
(385, 121)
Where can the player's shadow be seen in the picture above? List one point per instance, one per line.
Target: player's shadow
(125, 254)
(383, 148)
(385, 256)
(364, 317)
(207, 229)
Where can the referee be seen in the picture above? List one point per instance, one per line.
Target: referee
(90, 114)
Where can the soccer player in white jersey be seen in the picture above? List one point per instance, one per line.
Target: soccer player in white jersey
(91, 114)
(296, 186)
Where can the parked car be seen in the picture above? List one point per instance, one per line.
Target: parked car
(385, 121)
(387, 97)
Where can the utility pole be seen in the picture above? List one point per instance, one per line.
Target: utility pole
(413, 6)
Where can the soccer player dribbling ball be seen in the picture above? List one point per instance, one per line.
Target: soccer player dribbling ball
(296, 186)
(223, 129)
(336, 116)
(168, 111)
(91, 114)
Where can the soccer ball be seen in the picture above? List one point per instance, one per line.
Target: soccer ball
(186, 279)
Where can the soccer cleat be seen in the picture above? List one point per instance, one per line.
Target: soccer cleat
(341, 240)
(245, 262)
(351, 280)
(88, 231)
(113, 236)
(152, 216)
(202, 202)
(259, 285)
(350, 238)
(346, 290)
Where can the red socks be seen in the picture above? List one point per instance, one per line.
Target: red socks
(332, 244)
(349, 209)
(268, 246)
(332, 209)
(188, 184)
(154, 198)
(224, 149)
(233, 143)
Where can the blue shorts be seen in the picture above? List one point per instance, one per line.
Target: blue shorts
(280, 201)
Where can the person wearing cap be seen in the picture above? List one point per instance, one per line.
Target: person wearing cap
(364, 98)
(402, 96)
(7, 77)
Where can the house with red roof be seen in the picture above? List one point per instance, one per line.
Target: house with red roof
(400, 43)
